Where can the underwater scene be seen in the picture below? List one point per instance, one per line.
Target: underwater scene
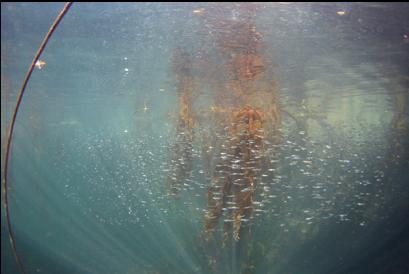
(153, 138)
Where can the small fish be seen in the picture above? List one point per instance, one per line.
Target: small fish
(40, 64)
(198, 11)
(146, 108)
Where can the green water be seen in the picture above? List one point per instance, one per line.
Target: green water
(93, 140)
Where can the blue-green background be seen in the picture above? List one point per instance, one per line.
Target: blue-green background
(88, 166)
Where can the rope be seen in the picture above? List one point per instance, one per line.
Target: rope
(11, 130)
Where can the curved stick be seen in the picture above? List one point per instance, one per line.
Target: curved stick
(11, 130)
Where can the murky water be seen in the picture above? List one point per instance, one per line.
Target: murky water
(204, 138)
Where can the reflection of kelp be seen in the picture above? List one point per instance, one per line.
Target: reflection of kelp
(247, 109)
(239, 127)
(234, 181)
(182, 163)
